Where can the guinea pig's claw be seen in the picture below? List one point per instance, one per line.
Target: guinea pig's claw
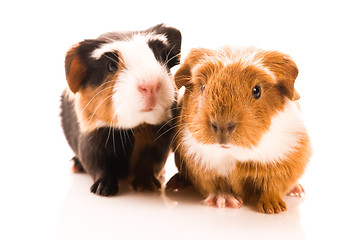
(271, 205)
(105, 187)
(297, 191)
(223, 200)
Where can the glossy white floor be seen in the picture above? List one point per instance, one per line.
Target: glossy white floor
(42, 199)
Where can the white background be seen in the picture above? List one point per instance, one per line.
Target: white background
(42, 199)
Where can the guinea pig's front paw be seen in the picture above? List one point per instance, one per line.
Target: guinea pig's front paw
(271, 204)
(146, 183)
(223, 200)
(104, 187)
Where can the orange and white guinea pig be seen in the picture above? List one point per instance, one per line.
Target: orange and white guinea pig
(240, 134)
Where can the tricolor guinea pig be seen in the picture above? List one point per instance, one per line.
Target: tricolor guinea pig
(116, 112)
(240, 134)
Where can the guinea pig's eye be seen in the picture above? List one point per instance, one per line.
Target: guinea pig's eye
(256, 92)
(112, 66)
(203, 87)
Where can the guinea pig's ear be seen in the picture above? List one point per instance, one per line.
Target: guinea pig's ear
(183, 77)
(74, 68)
(173, 48)
(285, 71)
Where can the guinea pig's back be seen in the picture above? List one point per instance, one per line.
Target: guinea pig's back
(69, 121)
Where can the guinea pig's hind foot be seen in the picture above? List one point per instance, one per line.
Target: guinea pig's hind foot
(223, 200)
(176, 183)
(77, 167)
(105, 187)
(297, 191)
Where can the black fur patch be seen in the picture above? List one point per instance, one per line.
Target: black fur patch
(159, 49)
(69, 122)
(105, 152)
(170, 53)
(97, 69)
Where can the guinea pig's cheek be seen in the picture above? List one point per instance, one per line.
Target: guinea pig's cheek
(167, 94)
(126, 108)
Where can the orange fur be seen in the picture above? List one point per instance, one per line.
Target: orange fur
(94, 105)
(229, 76)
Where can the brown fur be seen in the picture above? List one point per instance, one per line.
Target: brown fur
(75, 69)
(270, 182)
(147, 136)
(227, 97)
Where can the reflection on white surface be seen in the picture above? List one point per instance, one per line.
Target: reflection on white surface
(174, 215)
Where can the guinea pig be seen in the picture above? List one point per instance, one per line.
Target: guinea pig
(116, 111)
(240, 134)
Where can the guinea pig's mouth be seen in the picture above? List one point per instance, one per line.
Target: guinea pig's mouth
(225, 146)
(147, 109)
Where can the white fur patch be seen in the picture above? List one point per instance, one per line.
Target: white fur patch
(248, 57)
(122, 45)
(210, 156)
(281, 139)
(229, 55)
(141, 67)
(69, 94)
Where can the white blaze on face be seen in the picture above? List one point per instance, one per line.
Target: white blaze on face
(140, 69)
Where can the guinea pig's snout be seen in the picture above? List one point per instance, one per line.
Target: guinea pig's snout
(223, 129)
(149, 93)
(227, 127)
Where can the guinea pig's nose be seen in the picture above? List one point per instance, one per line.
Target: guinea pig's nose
(228, 127)
(149, 93)
(149, 89)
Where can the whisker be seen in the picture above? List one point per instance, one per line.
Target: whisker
(121, 140)
(117, 61)
(166, 123)
(176, 135)
(95, 97)
(176, 55)
(96, 109)
(108, 38)
(171, 128)
(114, 147)
(106, 142)
(181, 142)
(170, 50)
(127, 135)
(103, 84)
